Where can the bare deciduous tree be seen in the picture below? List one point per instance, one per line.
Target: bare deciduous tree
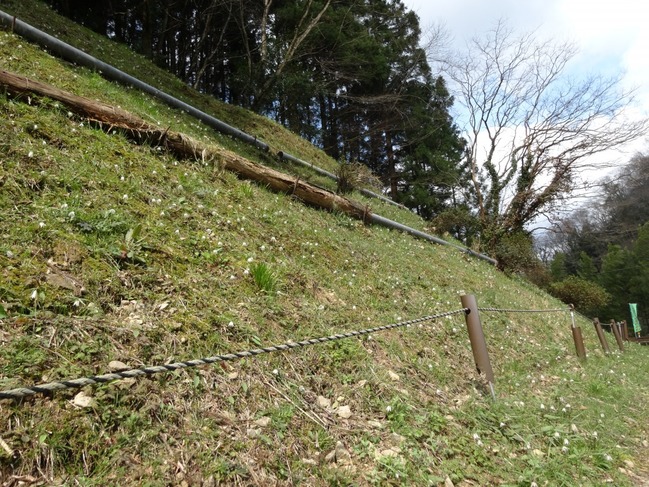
(531, 129)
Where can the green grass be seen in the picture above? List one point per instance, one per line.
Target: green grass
(195, 262)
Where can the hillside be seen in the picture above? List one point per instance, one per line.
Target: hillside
(112, 251)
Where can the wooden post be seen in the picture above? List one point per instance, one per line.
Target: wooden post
(600, 335)
(625, 331)
(478, 342)
(576, 335)
(618, 338)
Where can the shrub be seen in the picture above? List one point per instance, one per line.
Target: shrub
(515, 252)
(587, 296)
(353, 175)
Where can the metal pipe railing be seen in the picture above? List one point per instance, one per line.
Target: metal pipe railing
(72, 54)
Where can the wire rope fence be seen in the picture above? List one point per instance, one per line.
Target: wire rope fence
(50, 387)
(469, 308)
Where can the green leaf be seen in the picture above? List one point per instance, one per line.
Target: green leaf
(3, 312)
(133, 233)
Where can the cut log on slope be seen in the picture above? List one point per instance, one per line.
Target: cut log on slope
(182, 146)
(185, 147)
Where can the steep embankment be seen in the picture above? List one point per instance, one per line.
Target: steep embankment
(113, 251)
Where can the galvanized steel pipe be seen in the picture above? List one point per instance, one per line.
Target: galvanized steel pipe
(366, 192)
(72, 54)
(386, 222)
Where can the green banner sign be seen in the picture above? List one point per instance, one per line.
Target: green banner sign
(634, 317)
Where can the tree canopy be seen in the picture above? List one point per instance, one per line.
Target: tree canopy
(531, 128)
(348, 75)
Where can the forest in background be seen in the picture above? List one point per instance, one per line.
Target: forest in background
(350, 76)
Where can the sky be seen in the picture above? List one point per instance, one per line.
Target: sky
(612, 36)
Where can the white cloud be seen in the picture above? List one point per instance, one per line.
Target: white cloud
(611, 35)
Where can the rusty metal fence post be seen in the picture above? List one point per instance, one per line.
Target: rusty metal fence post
(478, 342)
(600, 335)
(618, 337)
(576, 335)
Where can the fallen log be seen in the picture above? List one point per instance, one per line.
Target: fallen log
(183, 146)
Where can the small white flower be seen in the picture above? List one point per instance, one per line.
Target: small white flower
(275, 371)
(250, 259)
(231, 324)
(262, 248)
(564, 449)
(125, 197)
(542, 406)
(246, 272)
(388, 408)
(608, 457)
(41, 224)
(476, 436)
(594, 434)
(71, 215)
(566, 442)
(34, 295)
(31, 154)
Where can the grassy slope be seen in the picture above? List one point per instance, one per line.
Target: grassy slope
(69, 194)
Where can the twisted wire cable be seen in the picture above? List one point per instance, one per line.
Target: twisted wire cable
(22, 392)
(501, 310)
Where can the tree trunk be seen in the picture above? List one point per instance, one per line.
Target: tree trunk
(392, 170)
